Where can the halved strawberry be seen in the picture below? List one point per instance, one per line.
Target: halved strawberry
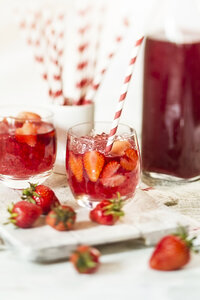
(119, 147)
(113, 181)
(110, 169)
(93, 163)
(129, 161)
(76, 166)
(27, 134)
(28, 115)
(109, 176)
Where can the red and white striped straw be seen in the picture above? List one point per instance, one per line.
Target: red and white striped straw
(99, 29)
(54, 67)
(37, 44)
(44, 32)
(30, 24)
(83, 35)
(101, 73)
(123, 93)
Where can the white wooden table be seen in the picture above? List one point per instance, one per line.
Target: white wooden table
(124, 273)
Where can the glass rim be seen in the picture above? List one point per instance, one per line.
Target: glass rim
(25, 108)
(128, 134)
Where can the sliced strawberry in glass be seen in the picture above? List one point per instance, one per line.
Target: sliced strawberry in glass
(129, 160)
(24, 116)
(119, 147)
(110, 169)
(76, 166)
(93, 164)
(27, 134)
(109, 176)
(28, 115)
(113, 181)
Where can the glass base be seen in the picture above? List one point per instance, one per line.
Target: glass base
(21, 183)
(153, 178)
(85, 201)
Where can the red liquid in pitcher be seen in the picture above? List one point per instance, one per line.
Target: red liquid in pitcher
(26, 155)
(171, 108)
(98, 175)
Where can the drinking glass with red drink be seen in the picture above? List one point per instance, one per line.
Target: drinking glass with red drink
(27, 145)
(93, 174)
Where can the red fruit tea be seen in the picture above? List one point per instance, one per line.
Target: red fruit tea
(95, 175)
(23, 155)
(171, 108)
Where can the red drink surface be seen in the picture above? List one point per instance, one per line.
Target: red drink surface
(171, 108)
(26, 155)
(105, 187)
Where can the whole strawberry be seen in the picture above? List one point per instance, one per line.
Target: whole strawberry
(61, 217)
(107, 212)
(41, 195)
(24, 214)
(172, 252)
(85, 259)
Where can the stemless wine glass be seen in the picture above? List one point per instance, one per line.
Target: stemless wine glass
(27, 145)
(93, 174)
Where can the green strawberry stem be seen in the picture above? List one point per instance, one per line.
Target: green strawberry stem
(62, 215)
(85, 261)
(115, 207)
(12, 218)
(27, 194)
(182, 233)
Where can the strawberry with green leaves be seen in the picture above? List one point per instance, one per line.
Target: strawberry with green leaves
(85, 259)
(61, 217)
(172, 252)
(41, 195)
(107, 212)
(24, 214)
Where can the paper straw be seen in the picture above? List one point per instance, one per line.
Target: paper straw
(101, 73)
(98, 44)
(123, 93)
(31, 24)
(37, 44)
(44, 32)
(82, 66)
(54, 66)
(59, 49)
(99, 23)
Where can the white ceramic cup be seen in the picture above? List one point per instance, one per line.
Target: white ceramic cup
(64, 118)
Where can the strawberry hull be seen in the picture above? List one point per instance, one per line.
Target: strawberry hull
(22, 156)
(116, 173)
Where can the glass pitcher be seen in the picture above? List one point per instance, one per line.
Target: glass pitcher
(171, 94)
